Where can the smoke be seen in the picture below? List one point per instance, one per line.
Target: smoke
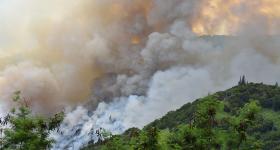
(126, 63)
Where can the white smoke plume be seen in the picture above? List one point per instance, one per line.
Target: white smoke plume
(125, 63)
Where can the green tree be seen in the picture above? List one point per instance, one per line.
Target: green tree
(245, 121)
(184, 137)
(201, 133)
(213, 128)
(148, 140)
(206, 122)
(116, 143)
(242, 80)
(27, 131)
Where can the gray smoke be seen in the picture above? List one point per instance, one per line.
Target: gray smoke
(182, 67)
(121, 64)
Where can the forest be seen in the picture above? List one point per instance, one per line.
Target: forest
(244, 117)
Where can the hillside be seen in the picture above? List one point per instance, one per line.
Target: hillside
(236, 97)
(259, 132)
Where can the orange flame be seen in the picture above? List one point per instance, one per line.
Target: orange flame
(135, 40)
(224, 17)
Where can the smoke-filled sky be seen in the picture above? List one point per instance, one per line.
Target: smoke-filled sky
(126, 62)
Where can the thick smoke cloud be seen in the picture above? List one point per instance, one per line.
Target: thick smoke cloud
(125, 63)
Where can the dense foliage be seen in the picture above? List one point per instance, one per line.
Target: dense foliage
(24, 131)
(243, 117)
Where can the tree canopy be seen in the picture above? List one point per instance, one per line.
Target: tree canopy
(25, 131)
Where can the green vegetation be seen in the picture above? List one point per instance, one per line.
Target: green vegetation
(244, 117)
(26, 131)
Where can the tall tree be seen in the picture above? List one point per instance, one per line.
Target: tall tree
(26, 131)
(149, 140)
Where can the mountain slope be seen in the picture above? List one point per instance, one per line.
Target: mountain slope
(262, 134)
(236, 97)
